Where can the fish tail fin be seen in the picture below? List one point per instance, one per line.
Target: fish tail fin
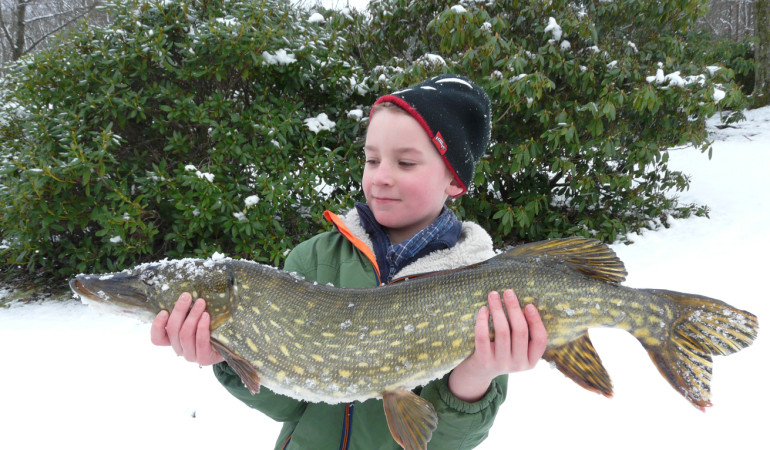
(704, 327)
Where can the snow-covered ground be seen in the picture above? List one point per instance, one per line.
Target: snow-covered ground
(73, 377)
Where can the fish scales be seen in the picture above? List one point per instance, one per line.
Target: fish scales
(319, 343)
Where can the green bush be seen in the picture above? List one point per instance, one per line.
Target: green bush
(581, 126)
(737, 56)
(184, 128)
(156, 137)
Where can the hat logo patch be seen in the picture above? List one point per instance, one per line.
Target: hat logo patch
(438, 141)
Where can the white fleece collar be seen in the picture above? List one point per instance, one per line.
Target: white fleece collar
(473, 246)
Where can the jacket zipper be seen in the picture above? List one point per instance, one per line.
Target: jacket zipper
(348, 423)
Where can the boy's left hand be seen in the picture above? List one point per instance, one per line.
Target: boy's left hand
(519, 342)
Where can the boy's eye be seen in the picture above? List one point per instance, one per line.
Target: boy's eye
(370, 161)
(406, 163)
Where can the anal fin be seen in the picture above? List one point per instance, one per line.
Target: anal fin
(411, 419)
(579, 361)
(243, 368)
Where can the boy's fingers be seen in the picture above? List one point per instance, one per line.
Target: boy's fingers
(519, 328)
(500, 323)
(203, 339)
(158, 334)
(482, 332)
(187, 334)
(176, 319)
(538, 336)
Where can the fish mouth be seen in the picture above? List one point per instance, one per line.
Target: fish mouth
(78, 288)
(117, 290)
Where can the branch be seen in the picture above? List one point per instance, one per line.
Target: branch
(50, 16)
(5, 30)
(60, 27)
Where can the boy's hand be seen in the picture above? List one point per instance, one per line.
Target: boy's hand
(186, 330)
(520, 341)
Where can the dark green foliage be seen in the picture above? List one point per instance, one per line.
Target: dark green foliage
(580, 133)
(150, 138)
(737, 56)
(145, 139)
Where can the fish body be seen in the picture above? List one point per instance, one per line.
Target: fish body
(320, 343)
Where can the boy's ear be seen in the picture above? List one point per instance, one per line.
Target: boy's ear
(454, 189)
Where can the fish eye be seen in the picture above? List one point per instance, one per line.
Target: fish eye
(148, 276)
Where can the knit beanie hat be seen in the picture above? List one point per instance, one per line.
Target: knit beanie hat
(456, 115)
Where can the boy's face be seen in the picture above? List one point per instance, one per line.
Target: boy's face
(405, 180)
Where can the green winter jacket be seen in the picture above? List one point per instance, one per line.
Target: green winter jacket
(333, 257)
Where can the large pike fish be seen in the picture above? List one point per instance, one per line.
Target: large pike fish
(324, 344)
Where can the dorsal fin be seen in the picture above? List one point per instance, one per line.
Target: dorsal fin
(587, 256)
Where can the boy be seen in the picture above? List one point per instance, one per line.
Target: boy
(421, 147)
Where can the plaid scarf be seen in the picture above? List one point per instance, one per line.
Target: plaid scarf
(442, 233)
(398, 254)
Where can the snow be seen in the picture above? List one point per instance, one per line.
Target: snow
(71, 375)
(319, 123)
(281, 57)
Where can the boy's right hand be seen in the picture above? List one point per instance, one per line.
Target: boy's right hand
(186, 330)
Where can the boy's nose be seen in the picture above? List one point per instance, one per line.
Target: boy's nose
(383, 175)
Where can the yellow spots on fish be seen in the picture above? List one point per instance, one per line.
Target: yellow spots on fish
(635, 305)
(468, 316)
(284, 350)
(363, 365)
(299, 370)
(456, 343)
(449, 314)
(437, 344)
(478, 293)
(624, 326)
(528, 299)
(223, 295)
(376, 332)
(421, 341)
(252, 345)
(345, 373)
(652, 341)
(256, 310)
(440, 327)
(298, 345)
(385, 369)
(422, 356)
(557, 341)
(327, 334)
(223, 339)
(395, 343)
(259, 363)
(272, 359)
(267, 338)
(245, 286)
(654, 308)
(318, 358)
(280, 376)
(299, 322)
(422, 325)
(642, 333)
(274, 323)
(275, 307)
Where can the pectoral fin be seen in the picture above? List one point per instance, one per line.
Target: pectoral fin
(243, 368)
(411, 419)
(579, 361)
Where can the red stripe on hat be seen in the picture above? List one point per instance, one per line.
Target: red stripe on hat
(440, 144)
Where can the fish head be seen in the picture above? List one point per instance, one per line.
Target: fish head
(147, 289)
